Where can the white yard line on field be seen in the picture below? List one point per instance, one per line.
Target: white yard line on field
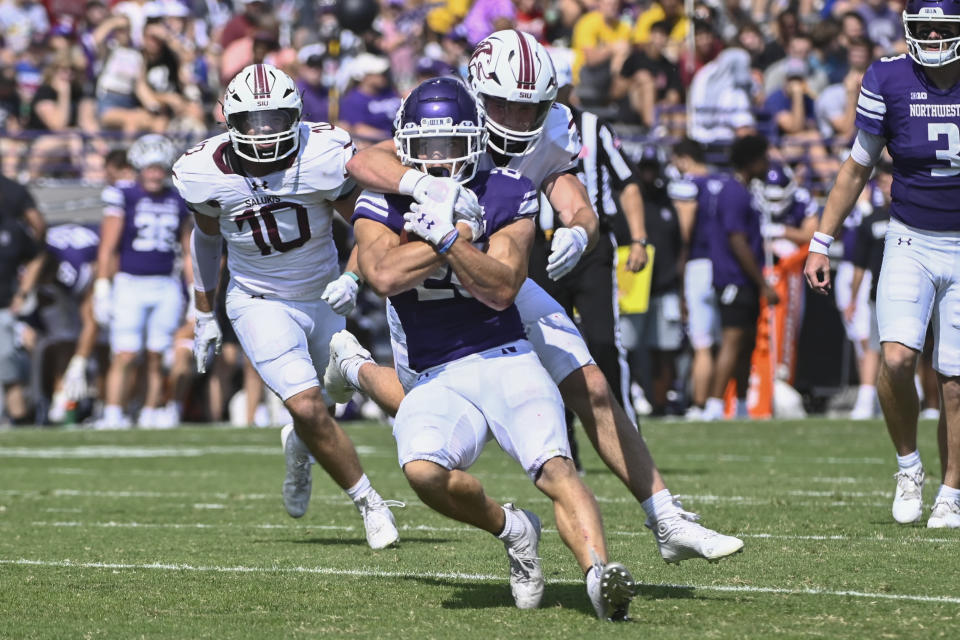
(373, 573)
(459, 529)
(120, 451)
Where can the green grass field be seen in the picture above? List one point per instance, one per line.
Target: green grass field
(182, 534)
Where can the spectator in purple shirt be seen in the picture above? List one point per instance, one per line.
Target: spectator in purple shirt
(737, 256)
(316, 99)
(368, 109)
(487, 16)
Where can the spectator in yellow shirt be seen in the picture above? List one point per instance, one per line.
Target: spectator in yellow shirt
(601, 43)
(670, 11)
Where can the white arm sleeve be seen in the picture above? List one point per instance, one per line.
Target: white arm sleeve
(206, 260)
(867, 148)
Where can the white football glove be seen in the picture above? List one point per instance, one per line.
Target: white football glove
(102, 301)
(75, 379)
(467, 209)
(432, 220)
(205, 334)
(341, 295)
(565, 251)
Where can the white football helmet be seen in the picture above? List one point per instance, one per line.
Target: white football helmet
(152, 149)
(262, 107)
(513, 77)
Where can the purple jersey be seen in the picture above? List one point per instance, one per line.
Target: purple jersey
(730, 208)
(704, 190)
(920, 123)
(150, 240)
(442, 321)
(801, 206)
(74, 248)
(376, 111)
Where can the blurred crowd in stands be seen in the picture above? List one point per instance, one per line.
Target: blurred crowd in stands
(81, 79)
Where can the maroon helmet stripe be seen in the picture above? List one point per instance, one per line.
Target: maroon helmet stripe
(260, 81)
(526, 76)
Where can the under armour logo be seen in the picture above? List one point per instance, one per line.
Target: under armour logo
(901, 241)
(257, 185)
(423, 220)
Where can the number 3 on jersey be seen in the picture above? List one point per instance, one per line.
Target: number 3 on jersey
(935, 130)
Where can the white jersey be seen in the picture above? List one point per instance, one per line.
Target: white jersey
(556, 150)
(278, 227)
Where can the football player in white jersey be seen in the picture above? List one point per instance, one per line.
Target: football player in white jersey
(269, 188)
(514, 78)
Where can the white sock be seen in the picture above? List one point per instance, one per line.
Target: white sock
(351, 370)
(948, 493)
(112, 413)
(512, 525)
(909, 462)
(361, 489)
(866, 395)
(659, 505)
(714, 407)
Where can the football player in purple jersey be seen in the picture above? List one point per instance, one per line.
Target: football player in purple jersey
(910, 104)
(477, 375)
(145, 227)
(533, 135)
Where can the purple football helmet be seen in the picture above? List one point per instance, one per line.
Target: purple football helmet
(775, 193)
(440, 129)
(920, 18)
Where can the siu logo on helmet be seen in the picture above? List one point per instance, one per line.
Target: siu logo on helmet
(481, 60)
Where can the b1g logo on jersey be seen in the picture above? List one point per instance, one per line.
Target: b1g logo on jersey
(918, 95)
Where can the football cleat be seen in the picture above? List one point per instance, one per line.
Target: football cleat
(610, 588)
(343, 348)
(298, 481)
(945, 515)
(378, 520)
(680, 537)
(526, 575)
(908, 499)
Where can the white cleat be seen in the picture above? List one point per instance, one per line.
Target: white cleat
(343, 348)
(378, 520)
(526, 575)
(908, 499)
(945, 515)
(611, 588)
(680, 537)
(298, 481)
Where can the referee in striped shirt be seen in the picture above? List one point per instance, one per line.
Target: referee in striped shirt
(591, 287)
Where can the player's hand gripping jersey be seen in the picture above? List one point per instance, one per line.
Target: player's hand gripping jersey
(278, 226)
(442, 321)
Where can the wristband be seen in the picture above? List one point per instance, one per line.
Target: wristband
(448, 241)
(351, 274)
(409, 181)
(642, 241)
(820, 243)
